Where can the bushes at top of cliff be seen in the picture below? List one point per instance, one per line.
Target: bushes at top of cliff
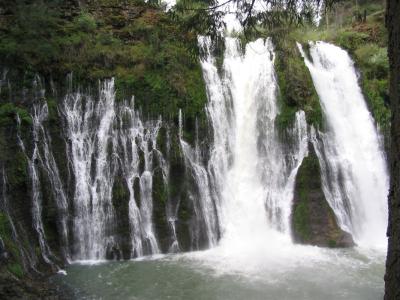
(135, 42)
(27, 35)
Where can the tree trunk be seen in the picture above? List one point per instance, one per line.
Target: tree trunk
(392, 277)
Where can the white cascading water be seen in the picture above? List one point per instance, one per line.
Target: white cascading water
(103, 137)
(42, 157)
(354, 170)
(89, 131)
(38, 116)
(48, 163)
(252, 173)
(203, 202)
(134, 137)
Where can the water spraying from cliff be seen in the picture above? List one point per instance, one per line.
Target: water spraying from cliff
(89, 126)
(106, 138)
(354, 170)
(42, 159)
(48, 163)
(204, 208)
(136, 138)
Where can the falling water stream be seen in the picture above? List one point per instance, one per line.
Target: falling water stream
(252, 171)
(351, 155)
(104, 138)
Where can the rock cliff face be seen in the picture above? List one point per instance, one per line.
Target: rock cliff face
(314, 221)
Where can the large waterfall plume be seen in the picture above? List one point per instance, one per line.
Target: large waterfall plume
(252, 169)
(250, 174)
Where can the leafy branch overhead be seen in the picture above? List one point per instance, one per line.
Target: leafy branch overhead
(207, 17)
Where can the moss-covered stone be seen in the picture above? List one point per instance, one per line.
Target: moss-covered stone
(120, 200)
(313, 220)
(16, 269)
(178, 193)
(160, 220)
(10, 255)
(296, 89)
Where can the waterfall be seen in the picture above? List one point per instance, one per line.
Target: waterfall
(241, 189)
(42, 158)
(36, 160)
(133, 138)
(354, 171)
(106, 138)
(252, 172)
(48, 163)
(203, 202)
(91, 143)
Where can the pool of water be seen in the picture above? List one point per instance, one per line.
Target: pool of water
(310, 273)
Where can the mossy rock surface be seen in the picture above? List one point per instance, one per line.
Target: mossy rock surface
(120, 200)
(296, 88)
(313, 220)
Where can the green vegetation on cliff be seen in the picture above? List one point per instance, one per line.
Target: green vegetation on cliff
(296, 89)
(301, 211)
(9, 113)
(135, 42)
